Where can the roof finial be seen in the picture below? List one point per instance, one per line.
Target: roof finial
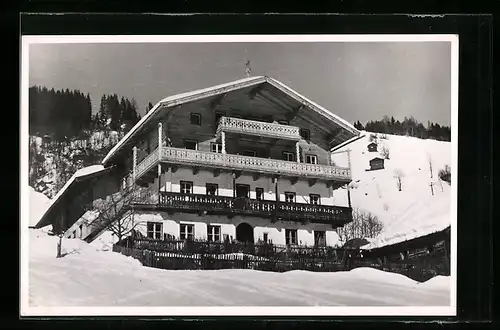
(248, 70)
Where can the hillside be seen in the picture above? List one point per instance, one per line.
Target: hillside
(413, 211)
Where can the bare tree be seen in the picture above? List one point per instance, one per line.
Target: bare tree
(445, 174)
(115, 213)
(399, 175)
(429, 159)
(363, 225)
(385, 152)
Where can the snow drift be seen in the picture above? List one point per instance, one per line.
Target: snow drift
(38, 204)
(89, 275)
(414, 211)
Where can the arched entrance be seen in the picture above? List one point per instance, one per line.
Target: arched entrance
(244, 233)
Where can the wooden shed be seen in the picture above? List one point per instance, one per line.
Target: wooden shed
(372, 147)
(377, 163)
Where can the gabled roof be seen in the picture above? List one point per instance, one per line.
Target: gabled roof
(376, 158)
(372, 143)
(178, 99)
(78, 176)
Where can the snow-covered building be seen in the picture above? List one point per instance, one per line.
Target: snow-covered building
(249, 159)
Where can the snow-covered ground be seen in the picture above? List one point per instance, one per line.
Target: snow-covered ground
(38, 204)
(92, 275)
(409, 213)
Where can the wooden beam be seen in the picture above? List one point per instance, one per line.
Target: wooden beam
(292, 114)
(216, 103)
(254, 91)
(312, 182)
(196, 170)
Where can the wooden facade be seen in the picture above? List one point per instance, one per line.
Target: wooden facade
(249, 152)
(376, 164)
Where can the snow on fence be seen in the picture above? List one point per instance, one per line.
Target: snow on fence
(179, 254)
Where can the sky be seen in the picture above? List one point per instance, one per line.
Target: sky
(355, 80)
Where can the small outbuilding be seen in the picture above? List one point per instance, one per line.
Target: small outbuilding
(372, 147)
(376, 164)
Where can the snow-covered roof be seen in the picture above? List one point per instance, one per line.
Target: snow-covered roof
(224, 88)
(84, 172)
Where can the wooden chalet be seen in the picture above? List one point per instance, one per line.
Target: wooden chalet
(247, 159)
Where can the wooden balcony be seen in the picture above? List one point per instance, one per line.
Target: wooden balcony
(222, 161)
(223, 205)
(258, 128)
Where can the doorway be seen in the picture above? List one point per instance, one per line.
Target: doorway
(243, 191)
(244, 233)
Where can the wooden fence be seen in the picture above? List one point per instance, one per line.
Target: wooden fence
(177, 255)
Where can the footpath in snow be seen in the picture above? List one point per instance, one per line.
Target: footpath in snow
(93, 275)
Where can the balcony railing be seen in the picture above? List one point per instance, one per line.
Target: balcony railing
(252, 127)
(253, 164)
(211, 204)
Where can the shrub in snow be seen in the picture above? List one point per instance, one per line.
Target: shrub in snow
(385, 152)
(383, 136)
(373, 137)
(445, 174)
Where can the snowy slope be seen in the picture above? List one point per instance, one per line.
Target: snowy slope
(409, 213)
(39, 203)
(90, 276)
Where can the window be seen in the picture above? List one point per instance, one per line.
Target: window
(212, 189)
(311, 159)
(187, 231)
(259, 193)
(191, 144)
(155, 230)
(314, 199)
(291, 236)
(186, 187)
(290, 197)
(250, 153)
(265, 237)
(305, 134)
(218, 115)
(81, 230)
(216, 147)
(213, 233)
(288, 156)
(283, 122)
(319, 238)
(195, 119)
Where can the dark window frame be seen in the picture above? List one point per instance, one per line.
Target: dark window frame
(291, 193)
(212, 185)
(261, 190)
(310, 156)
(218, 149)
(186, 182)
(285, 152)
(249, 150)
(186, 235)
(190, 140)
(311, 199)
(154, 232)
(307, 136)
(316, 239)
(193, 115)
(242, 185)
(290, 236)
(211, 235)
